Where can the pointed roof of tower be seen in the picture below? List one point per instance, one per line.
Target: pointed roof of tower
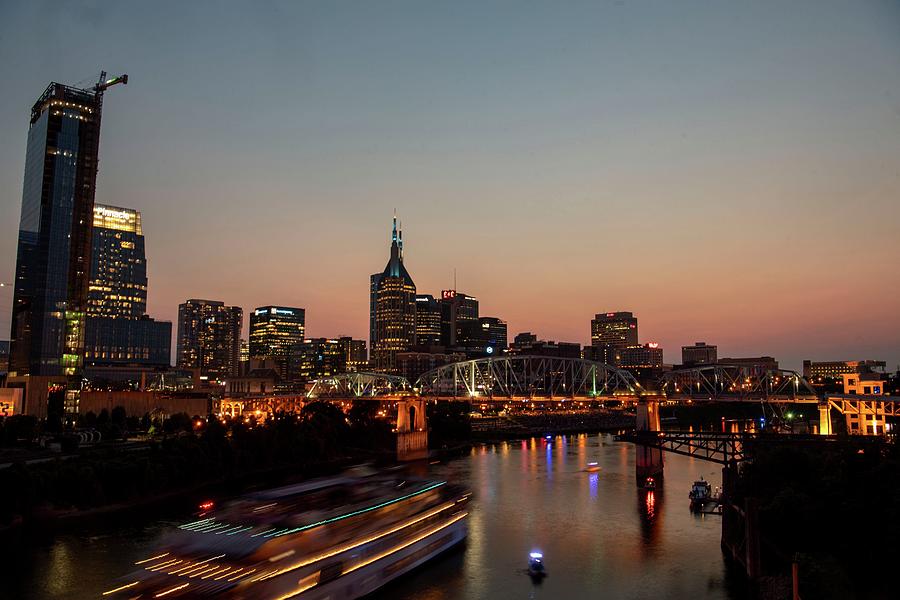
(395, 266)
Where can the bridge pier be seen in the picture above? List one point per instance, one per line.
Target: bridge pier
(412, 429)
(824, 418)
(648, 460)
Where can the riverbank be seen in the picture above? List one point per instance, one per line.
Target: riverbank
(616, 540)
(103, 482)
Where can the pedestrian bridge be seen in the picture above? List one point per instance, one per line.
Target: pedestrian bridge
(359, 385)
(736, 383)
(528, 377)
(487, 379)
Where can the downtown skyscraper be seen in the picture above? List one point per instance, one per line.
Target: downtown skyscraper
(277, 332)
(393, 302)
(610, 333)
(209, 338)
(120, 339)
(54, 249)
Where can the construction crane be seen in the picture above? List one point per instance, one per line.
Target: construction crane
(105, 83)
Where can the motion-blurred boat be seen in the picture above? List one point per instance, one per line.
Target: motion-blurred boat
(341, 537)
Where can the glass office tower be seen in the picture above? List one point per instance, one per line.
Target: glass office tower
(118, 333)
(276, 332)
(54, 250)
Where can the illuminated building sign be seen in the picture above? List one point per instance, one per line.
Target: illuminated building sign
(274, 311)
(119, 219)
(448, 294)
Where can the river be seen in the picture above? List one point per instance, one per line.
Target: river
(601, 537)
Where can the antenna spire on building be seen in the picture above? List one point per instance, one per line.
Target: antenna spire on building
(394, 232)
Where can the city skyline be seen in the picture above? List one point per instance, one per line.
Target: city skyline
(555, 228)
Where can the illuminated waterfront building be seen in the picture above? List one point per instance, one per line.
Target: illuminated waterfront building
(869, 384)
(52, 267)
(700, 353)
(395, 309)
(276, 332)
(428, 320)
(864, 422)
(209, 338)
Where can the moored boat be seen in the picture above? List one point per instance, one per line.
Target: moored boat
(700, 494)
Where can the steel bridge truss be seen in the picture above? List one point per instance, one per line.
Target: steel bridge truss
(528, 377)
(737, 383)
(720, 448)
(358, 385)
(724, 448)
(873, 406)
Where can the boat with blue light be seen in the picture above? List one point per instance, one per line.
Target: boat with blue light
(536, 565)
(338, 538)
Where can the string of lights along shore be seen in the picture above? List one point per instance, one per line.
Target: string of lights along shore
(79, 320)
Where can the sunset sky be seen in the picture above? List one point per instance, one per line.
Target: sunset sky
(728, 171)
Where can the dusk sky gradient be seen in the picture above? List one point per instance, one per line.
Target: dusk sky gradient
(728, 171)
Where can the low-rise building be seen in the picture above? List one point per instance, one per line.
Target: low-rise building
(867, 384)
(818, 371)
(546, 348)
(644, 356)
(699, 354)
(756, 365)
(865, 422)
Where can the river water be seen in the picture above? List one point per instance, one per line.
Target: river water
(601, 537)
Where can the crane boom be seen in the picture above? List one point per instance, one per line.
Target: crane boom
(104, 83)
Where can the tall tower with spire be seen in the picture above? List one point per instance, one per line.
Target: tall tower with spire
(392, 304)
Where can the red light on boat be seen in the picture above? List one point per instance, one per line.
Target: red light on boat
(207, 505)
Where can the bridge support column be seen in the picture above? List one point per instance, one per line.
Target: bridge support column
(412, 430)
(824, 418)
(648, 460)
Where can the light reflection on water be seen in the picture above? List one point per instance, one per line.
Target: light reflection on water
(601, 537)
